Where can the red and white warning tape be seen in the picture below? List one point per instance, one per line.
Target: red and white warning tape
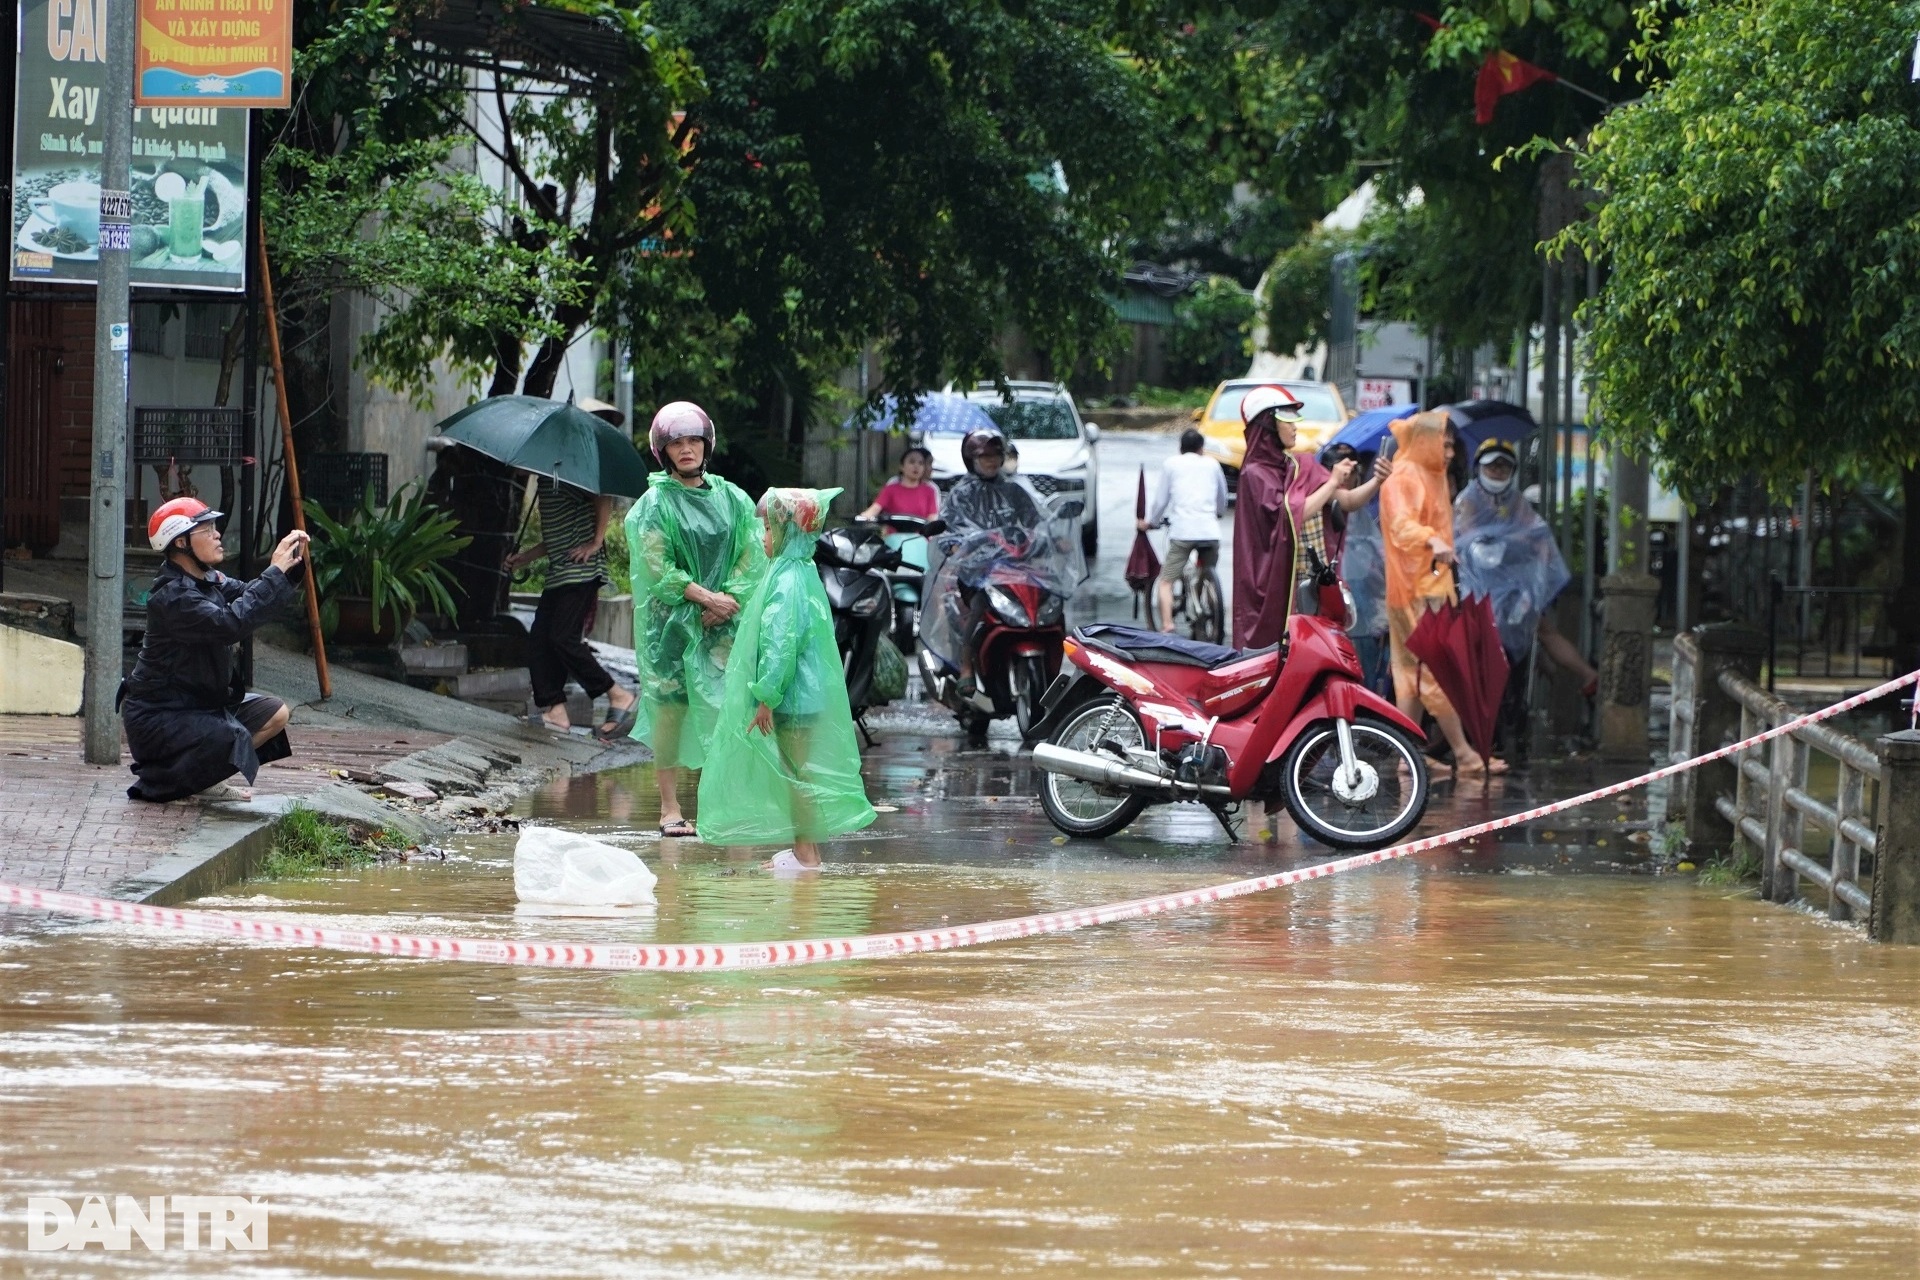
(754, 955)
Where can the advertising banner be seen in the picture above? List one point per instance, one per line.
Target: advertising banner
(229, 53)
(189, 189)
(1378, 393)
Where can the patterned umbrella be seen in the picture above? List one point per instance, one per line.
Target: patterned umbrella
(942, 413)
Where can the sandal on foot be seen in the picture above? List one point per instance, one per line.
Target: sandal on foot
(678, 829)
(618, 727)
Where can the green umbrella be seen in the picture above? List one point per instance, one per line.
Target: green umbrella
(552, 439)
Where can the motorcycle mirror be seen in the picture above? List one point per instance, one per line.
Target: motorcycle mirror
(935, 526)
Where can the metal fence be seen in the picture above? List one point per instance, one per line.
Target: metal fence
(1814, 786)
(1828, 631)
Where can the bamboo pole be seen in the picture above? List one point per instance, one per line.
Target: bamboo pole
(293, 467)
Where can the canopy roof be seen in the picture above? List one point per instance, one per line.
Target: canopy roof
(577, 50)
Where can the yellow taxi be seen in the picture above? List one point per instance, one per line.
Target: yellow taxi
(1322, 412)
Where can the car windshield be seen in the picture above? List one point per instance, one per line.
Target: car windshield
(1318, 404)
(1034, 419)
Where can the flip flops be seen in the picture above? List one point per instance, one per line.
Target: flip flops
(678, 829)
(618, 727)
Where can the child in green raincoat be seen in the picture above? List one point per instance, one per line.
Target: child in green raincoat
(696, 556)
(783, 764)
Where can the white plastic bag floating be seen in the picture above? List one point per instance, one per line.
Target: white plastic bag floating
(554, 868)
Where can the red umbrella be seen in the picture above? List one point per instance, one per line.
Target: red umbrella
(1143, 566)
(1460, 644)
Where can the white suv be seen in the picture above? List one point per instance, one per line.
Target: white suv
(1057, 454)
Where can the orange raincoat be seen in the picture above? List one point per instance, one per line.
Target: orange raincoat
(1415, 507)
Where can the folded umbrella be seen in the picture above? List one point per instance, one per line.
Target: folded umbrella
(1460, 644)
(552, 438)
(1143, 565)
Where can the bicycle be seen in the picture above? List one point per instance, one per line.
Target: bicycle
(1198, 599)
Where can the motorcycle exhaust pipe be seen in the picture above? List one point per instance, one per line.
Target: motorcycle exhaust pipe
(1111, 773)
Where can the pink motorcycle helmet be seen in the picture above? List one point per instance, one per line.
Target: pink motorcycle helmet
(677, 420)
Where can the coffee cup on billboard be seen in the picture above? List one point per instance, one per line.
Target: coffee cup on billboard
(74, 207)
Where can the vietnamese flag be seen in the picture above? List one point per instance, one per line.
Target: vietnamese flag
(1500, 75)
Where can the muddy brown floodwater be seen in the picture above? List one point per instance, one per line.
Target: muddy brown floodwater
(1419, 1069)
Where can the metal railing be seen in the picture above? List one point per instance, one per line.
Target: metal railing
(1828, 631)
(1773, 807)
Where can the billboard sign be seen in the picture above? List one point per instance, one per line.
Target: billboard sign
(1378, 393)
(229, 53)
(189, 189)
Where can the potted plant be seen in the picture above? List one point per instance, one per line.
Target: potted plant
(381, 565)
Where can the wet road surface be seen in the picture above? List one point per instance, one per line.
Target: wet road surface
(1476, 1063)
(1424, 1068)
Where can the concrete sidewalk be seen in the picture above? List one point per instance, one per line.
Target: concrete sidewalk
(65, 824)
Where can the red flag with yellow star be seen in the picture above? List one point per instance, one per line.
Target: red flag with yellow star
(1500, 75)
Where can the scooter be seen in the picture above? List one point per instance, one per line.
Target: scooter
(908, 536)
(1140, 717)
(1021, 633)
(853, 563)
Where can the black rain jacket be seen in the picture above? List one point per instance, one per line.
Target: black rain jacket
(178, 704)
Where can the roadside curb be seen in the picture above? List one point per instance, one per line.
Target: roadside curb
(235, 837)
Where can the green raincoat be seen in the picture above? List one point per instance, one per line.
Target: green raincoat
(802, 780)
(678, 536)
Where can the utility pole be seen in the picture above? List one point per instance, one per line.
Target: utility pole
(112, 346)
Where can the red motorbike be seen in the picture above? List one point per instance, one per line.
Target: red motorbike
(1139, 717)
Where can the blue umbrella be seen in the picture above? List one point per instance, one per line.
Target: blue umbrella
(1476, 420)
(942, 413)
(1364, 432)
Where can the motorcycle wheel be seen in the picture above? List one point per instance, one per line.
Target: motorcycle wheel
(1029, 687)
(1391, 795)
(905, 631)
(1082, 808)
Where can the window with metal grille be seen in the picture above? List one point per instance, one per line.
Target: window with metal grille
(207, 329)
(149, 328)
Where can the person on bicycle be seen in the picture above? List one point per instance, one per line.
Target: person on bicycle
(985, 501)
(1190, 495)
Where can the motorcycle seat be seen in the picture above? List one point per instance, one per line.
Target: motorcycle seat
(1158, 646)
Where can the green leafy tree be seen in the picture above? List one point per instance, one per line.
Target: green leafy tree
(913, 173)
(1303, 99)
(1211, 335)
(1759, 316)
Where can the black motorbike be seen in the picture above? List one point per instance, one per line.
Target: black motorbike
(855, 565)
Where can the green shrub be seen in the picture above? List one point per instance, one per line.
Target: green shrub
(396, 555)
(306, 842)
(1742, 869)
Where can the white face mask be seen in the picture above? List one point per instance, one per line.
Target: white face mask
(1491, 485)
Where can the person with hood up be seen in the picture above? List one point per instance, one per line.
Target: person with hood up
(190, 722)
(784, 765)
(696, 555)
(1508, 554)
(1283, 508)
(1416, 521)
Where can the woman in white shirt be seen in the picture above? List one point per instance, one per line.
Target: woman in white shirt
(1190, 494)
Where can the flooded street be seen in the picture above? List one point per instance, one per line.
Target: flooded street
(1417, 1069)
(1473, 1063)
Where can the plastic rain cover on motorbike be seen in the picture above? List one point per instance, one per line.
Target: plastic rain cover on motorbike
(802, 780)
(677, 536)
(999, 532)
(1507, 554)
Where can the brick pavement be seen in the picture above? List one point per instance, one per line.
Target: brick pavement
(66, 824)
